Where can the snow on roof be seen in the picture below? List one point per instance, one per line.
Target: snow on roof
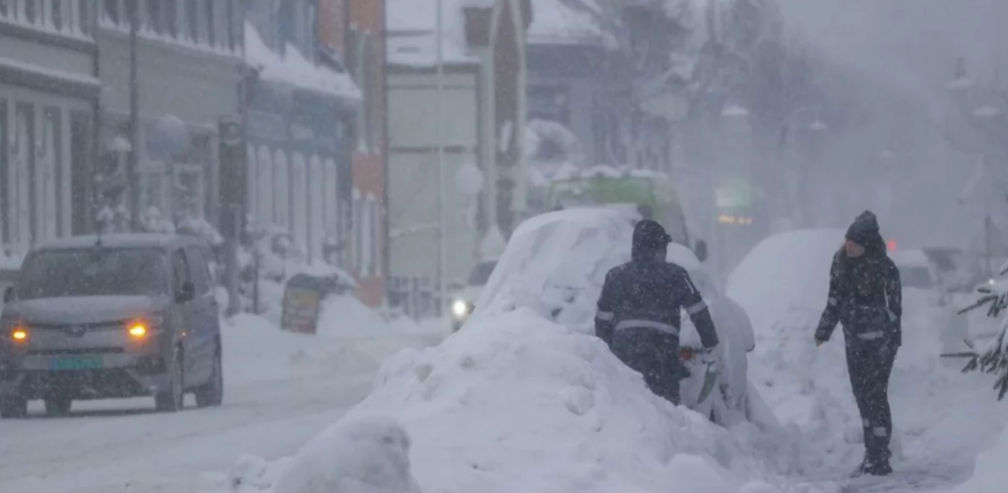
(556, 22)
(411, 32)
(294, 69)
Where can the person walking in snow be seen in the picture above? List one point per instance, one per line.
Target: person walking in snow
(865, 296)
(639, 311)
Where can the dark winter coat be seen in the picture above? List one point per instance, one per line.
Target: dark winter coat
(650, 293)
(865, 293)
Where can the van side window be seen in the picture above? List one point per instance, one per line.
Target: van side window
(180, 269)
(199, 269)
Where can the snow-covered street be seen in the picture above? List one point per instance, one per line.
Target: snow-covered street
(281, 389)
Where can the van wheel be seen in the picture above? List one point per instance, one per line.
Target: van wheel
(13, 406)
(170, 400)
(212, 392)
(58, 406)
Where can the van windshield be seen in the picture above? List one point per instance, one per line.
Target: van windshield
(93, 272)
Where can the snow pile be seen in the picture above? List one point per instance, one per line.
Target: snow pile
(518, 403)
(990, 475)
(350, 336)
(783, 284)
(368, 455)
(294, 69)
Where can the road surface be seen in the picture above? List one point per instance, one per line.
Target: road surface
(122, 445)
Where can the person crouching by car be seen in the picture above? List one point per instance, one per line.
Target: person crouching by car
(639, 312)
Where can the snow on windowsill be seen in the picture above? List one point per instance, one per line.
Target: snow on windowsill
(49, 28)
(50, 72)
(294, 69)
(180, 41)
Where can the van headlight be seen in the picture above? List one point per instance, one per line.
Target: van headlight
(460, 308)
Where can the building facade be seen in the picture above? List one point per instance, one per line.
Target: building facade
(189, 68)
(49, 94)
(351, 33)
(301, 106)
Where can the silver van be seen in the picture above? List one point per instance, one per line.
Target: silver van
(114, 316)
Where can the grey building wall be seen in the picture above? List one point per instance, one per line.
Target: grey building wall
(187, 73)
(48, 95)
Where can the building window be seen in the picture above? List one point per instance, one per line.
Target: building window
(56, 13)
(374, 247)
(316, 207)
(111, 11)
(192, 20)
(299, 197)
(265, 196)
(252, 182)
(330, 190)
(22, 193)
(51, 171)
(170, 18)
(80, 165)
(358, 233)
(5, 170)
(208, 21)
(281, 192)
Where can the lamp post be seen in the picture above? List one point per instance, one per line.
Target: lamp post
(133, 166)
(442, 226)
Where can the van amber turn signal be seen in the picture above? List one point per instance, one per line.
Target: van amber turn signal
(20, 335)
(137, 331)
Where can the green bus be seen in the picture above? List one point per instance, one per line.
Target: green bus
(651, 193)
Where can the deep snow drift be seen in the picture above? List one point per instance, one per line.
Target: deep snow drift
(942, 418)
(515, 402)
(522, 404)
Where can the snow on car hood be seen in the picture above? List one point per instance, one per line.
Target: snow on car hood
(83, 309)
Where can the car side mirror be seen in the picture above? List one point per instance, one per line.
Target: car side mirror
(701, 251)
(8, 295)
(186, 293)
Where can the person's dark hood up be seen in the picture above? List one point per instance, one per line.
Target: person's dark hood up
(865, 232)
(650, 241)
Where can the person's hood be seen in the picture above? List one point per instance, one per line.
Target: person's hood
(649, 240)
(83, 309)
(865, 232)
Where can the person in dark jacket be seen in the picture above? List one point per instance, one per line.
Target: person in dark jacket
(639, 311)
(865, 296)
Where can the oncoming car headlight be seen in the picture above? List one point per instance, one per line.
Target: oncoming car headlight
(460, 308)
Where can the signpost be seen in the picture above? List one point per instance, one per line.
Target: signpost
(301, 304)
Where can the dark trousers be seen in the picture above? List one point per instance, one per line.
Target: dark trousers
(655, 355)
(869, 367)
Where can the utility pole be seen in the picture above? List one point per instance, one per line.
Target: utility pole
(442, 226)
(133, 166)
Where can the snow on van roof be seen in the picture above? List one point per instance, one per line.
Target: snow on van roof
(119, 240)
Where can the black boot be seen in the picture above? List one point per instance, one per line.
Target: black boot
(879, 468)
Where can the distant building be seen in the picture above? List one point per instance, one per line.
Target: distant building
(572, 60)
(483, 113)
(49, 96)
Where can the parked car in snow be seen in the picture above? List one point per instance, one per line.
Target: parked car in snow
(464, 300)
(556, 263)
(111, 317)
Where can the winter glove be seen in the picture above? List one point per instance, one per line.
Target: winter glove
(713, 357)
(822, 335)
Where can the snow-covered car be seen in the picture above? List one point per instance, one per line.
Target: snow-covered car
(464, 300)
(556, 263)
(783, 284)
